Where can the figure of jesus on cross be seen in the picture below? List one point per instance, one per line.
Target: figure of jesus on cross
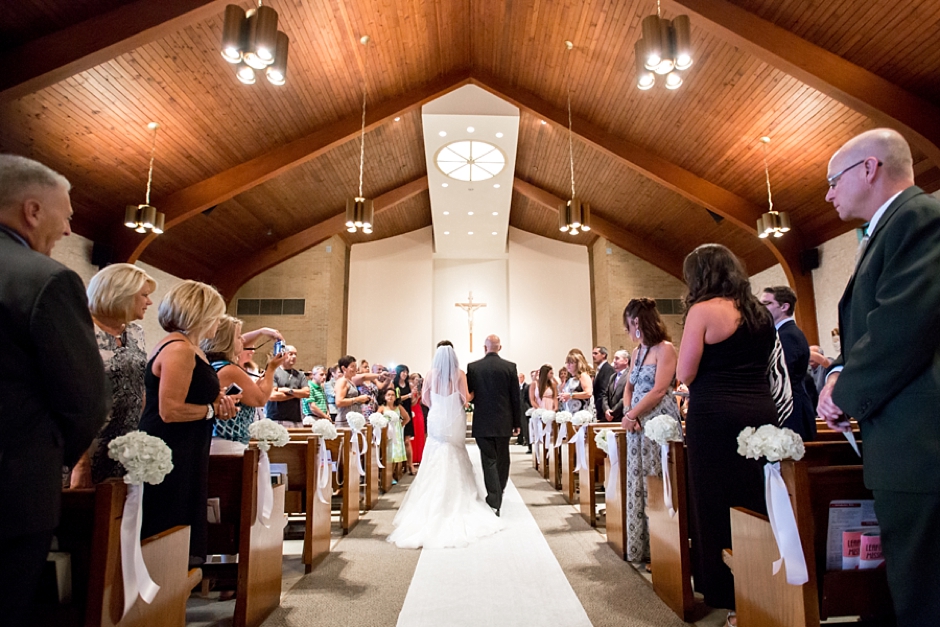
(470, 307)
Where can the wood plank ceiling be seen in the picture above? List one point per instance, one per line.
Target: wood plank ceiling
(92, 125)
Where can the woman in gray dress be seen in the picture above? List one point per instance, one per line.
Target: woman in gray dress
(647, 394)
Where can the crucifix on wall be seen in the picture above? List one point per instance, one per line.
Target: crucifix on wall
(470, 307)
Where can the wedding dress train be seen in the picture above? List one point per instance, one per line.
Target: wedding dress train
(444, 506)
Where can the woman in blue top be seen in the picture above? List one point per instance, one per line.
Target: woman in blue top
(231, 436)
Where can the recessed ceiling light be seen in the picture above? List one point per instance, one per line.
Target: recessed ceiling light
(470, 129)
(447, 213)
(398, 119)
(495, 213)
(444, 133)
(469, 232)
(494, 232)
(469, 213)
(499, 134)
(446, 232)
(544, 122)
(496, 185)
(443, 184)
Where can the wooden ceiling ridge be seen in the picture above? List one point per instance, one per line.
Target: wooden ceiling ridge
(191, 201)
(843, 81)
(42, 62)
(231, 278)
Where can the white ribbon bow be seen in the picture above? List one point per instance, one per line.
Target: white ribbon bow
(358, 450)
(783, 524)
(562, 434)
(667, 482)
(580, 442)
(546, 435)
(137, 580)
(612, 485)
(324, 473)
(377, 441)
(265, 490)
(535, 429)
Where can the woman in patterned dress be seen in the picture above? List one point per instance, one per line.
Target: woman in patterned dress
(579, 389)
(117, 296)
(647, 394)
(396, 440)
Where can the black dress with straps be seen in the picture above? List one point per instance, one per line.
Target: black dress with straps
(181, 498)
(730, 391)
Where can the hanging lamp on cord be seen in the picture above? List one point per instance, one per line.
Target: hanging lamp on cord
(145, 217)
(774, 223)
(252, 41)
(665, 48)
(360, 210)
(574, 216)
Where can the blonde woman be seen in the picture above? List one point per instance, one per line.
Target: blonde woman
(578, 390)
(183, 396)
(118, 296)
(230, 437)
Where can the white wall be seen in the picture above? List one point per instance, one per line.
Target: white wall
(771, 277)
(836, 263)
(390, 300)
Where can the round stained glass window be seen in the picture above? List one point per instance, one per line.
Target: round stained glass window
(470, 160)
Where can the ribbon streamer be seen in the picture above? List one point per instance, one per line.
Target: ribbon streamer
(562, 434)
(612, 484)
(535, 429)
(580, 442)
(850, 436)
(667, 482)
(377, 441)
(137, 579)
(358, 451)
(265, 490)
(546, 435)
(783, 524)
(324, 472)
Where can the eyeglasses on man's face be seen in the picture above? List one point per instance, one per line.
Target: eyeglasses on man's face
(834, 179)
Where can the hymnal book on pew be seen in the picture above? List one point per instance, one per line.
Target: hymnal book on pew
(278, 474)
(848, 521)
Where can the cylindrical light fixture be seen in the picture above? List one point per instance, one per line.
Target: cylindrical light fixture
(148, 215)
(667, 61)
(234, 30)
(682, 33)
(645, 79)
(277, 71)
(262, 37)
(585, 216)
(245, 74)
(784, 221)
(673, 80)
(130, 216)
(159, 223)
(563, 220)
(652, 35)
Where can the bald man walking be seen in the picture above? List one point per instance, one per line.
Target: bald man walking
(888, 375)
(494, 385)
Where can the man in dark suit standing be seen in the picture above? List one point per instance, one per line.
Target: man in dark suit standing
(497, 410)
(45, 330)
(780, 301)
(525, 405)
(888, 373)
(617, 386)
(603, 374)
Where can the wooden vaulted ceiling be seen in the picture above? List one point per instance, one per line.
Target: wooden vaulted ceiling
(663, 170)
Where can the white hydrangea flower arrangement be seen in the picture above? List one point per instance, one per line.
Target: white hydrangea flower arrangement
(562, 417)
(770, 442)
(582, 417)
(325, 429)
(547, 416)
(356, 421)
(308, 421)
(268, 433)
(377, 420)
(146, 458)
(393, 416)
(531, 411)
(600, 439)
(663, 429)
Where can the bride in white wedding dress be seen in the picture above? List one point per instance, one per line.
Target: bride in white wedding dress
(444, 506)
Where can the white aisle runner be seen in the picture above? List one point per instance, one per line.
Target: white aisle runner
(510, 578)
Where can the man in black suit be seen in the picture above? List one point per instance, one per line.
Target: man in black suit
(603, 372)
(617, 386)
(888, 373)
(780, 301)
(523, 439)
(53, 398)
(497, 411)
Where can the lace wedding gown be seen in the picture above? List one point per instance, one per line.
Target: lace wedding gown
(444, 506)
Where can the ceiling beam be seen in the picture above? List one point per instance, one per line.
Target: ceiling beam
(43, 62)
(233, 277)
(191, 201)
(608, 230)
(855, 87)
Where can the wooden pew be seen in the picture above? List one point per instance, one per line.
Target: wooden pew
(767, 600)
(616, 502)
(350, 490)
(371, 465)
(587, 479)
(302, 457)
(233, 479)
(568, 465)
(554, 458)
(90, 531)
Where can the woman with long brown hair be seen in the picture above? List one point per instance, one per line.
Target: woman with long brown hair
(726, 347)
(546, 391)
(647, 393)
(579, 389)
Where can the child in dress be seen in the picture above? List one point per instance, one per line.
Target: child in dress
(396, 441)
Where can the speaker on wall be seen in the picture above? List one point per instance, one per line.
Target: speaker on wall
(809, 260)
(102, 254)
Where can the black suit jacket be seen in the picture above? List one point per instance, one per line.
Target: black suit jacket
(889, 320)
(53, 392)
(796, 354)
(601, 380)
(524, 403)
(615, 395)
(497, 408)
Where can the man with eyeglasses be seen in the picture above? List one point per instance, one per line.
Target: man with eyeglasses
(888, 374)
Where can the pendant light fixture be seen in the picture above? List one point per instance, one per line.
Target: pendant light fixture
(665, 48)
(574, 216)
(145, 217)
(252, 41)
(359, 210)
(774, 223)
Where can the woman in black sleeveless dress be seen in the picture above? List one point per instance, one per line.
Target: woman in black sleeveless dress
(726, 347)
(190, 312)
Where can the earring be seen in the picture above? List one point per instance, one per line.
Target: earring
(637, 334)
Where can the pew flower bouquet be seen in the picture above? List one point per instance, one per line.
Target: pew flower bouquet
(356, 421)
(562, 417)
(146, 458)
(600, 439)
(547, 416)
(325, 429)
(770, 442)
(663, 429)
(377, 420)
(531, 411)
(582, 417)
(268, 433)
(393, 416)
